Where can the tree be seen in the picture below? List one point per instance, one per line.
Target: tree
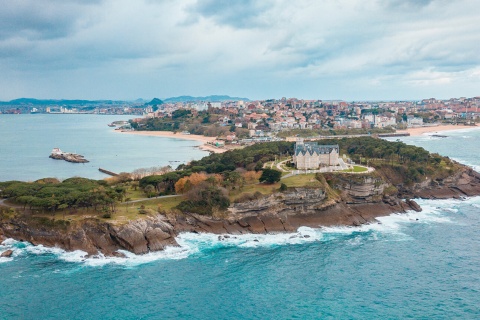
(150, 190)
(205, 199)
(184, 184)
(270, 176)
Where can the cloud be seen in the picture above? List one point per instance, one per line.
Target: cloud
(30, 19)
(263, 49)
(236, 13)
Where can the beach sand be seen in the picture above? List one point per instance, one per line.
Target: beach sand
(194, 137)
(436, 129)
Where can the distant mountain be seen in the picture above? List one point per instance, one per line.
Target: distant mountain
(154, 102)
(208, 98)
(39, 102)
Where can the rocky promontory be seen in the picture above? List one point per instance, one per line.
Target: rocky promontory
(359, 200)
(58, 154)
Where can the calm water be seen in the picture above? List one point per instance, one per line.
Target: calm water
(27, 140)
(400, 268)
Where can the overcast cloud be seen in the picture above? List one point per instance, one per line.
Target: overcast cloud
(330, 49)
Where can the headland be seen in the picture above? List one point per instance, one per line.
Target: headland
(230, 200)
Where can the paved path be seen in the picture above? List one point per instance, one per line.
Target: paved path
(327, 169)
(146, 199)
(2, 203)
(279, 165)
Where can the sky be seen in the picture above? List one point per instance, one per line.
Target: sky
(309, 49)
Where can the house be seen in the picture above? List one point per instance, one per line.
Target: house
(311, 155)
(414, 121)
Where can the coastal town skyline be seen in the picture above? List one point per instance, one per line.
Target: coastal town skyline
(350, 50)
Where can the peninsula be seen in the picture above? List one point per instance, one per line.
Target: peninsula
(257, 189)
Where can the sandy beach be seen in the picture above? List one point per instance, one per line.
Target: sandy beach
(168, 134)
(435, 129)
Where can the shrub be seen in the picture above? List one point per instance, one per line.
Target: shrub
(270, 176)
(204, 199)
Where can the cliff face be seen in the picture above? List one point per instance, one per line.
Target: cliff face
(465, 183)
(360, 201)
(93, 236)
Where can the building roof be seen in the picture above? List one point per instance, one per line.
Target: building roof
(314, 148)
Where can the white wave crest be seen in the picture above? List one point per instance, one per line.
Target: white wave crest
(388, 228)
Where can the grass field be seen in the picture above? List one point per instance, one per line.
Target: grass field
(356, 169)
(124, 212)
(130, 211)
(302, 180)
(252, 188)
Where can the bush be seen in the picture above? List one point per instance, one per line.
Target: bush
(270, 176)
(248, 196)
(204, 199)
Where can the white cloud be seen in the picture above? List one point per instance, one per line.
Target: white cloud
(129, 49)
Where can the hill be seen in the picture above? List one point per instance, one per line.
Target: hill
(44, 102)
(214, 98)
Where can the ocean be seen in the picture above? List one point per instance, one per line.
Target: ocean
(27, 140)
(415, 265)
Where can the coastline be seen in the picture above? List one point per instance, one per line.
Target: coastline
(280, 212)
(193, 137)
(418, 131)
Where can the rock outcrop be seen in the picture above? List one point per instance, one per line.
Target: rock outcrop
(69, 157)
(6, 254)
(93, 236)
(362, 200)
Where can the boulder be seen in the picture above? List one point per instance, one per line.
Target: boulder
(415, 206)
(6, 254)
(118, 254)
(159, 239)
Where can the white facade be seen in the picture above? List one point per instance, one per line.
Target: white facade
(312, 156)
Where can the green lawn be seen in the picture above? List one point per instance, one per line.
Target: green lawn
(356, 169)
(135, 194)
(302, 180)
(129, 211)
(252, 188)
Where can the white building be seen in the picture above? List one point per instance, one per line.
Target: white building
(414, 122)
(311, 155)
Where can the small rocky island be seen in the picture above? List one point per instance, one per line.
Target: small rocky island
(58, 154)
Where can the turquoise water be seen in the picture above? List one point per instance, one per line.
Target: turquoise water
(26, 141)
(416, 265)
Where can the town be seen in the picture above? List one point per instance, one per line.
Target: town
(238, 120)
(267, 120)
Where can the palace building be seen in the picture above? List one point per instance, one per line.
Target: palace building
(311, 155)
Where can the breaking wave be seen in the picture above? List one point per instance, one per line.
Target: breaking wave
(388, 228)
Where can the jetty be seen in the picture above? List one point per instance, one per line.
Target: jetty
(113, 174)
(58, 154)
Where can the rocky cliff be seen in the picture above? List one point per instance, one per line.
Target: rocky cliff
(361, 199)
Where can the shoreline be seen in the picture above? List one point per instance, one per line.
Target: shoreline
(279, 212)
(205, 146)
(418, 131)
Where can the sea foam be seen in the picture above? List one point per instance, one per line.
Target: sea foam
(387, 228)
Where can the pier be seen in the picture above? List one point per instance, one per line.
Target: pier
(113, 174)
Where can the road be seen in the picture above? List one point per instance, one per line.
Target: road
(2, 201)
(146, 199)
